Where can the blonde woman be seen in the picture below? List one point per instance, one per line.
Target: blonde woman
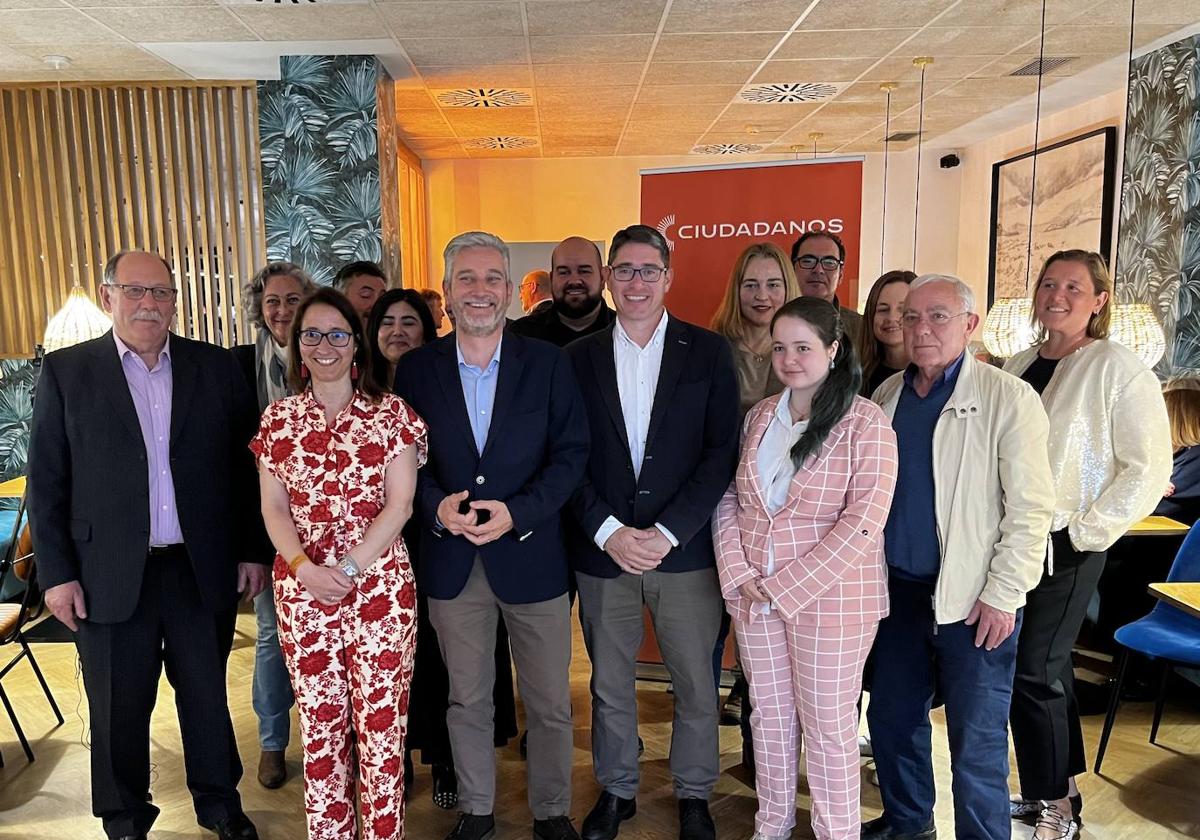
(1110, 453)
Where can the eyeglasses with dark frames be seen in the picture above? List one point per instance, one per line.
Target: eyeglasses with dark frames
(809, 262)
(336, 338)
(648, 273)
(161, 294)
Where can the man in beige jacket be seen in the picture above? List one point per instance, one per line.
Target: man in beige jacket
(966, 539)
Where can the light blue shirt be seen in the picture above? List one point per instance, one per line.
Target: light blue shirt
(479, 392)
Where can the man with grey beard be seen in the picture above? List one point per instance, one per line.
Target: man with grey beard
(575, 284)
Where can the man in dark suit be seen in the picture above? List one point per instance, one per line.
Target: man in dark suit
(508, 444)
(138, 479)
(575, 286)
(662, 404)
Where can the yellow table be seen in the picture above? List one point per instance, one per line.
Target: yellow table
(1157, 526)
(1182, 596)
(13, 488)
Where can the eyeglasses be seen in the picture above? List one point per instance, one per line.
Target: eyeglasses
(336, 338)
(808, 261)
(936, 319)
(162, 294)
(648, 273)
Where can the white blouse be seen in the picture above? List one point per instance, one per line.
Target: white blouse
(775, 467)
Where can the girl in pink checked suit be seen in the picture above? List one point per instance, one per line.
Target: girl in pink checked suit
(799, 542)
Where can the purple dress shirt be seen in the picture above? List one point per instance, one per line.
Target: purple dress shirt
(151, 392)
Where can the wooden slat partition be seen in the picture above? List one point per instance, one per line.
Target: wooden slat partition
(92, 169)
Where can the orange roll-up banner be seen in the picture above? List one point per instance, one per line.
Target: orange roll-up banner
(710, 214)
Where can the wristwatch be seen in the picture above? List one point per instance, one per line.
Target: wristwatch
(348, 566)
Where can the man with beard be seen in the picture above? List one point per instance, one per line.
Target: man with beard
(575, 285)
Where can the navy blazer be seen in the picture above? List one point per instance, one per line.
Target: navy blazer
(89, 488)
(533, 459)
(691, 448)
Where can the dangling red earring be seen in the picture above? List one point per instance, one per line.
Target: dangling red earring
(353, 371)
(303, 371)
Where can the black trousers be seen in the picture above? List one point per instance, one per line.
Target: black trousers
(1046, 731)
(122, 664)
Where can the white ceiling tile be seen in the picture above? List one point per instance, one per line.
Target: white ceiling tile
(872, 14)
(699, 72)
(842, 43)
(593, 17)
(730, 46)
(439, 20)
(302, 23)
(174, 25)
(65, 26)
(944, 41)
(595, 97)
(699, 94)
(483, 75)
(587, 75)
(591, 49)
(733, 16)
(790, 70)
(430, 52)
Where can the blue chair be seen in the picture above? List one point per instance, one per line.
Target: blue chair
(1167, 634)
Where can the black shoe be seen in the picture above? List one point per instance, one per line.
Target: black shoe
(641, 746)
(132, 837)
(445, 786)
(409, 773)
(555, 828)
(605, 818)
(878, 829)
(473, 827)
(234, 827)
(695, 823)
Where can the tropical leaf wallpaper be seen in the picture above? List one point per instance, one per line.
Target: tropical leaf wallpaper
(319, 142)
(1158, 250)
(17, 378)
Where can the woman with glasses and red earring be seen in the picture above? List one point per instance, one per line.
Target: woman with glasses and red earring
(338, 469)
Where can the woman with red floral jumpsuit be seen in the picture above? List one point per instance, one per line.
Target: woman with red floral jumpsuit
(338, 470)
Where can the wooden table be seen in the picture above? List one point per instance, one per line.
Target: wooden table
(13, 488)
(1157, 526)
(1182, 596)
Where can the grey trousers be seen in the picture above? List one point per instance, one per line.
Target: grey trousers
(686, 608)
(540, 637)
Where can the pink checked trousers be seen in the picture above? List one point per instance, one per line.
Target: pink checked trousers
(805, 679)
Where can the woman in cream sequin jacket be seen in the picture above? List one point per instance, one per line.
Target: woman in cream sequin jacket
(1110, 453)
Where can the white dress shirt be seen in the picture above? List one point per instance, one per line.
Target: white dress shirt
(637, 380)
(776, 469)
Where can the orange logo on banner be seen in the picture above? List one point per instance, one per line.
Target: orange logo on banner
(710, 215)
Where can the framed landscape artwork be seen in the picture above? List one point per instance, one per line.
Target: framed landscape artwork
(1073, 208)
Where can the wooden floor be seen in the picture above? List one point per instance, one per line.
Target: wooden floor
(1148, 792)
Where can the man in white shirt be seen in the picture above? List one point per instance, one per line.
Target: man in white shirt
(662, 403)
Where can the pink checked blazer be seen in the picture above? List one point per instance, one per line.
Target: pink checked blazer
(828, 537)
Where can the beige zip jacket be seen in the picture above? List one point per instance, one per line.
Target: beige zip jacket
(1110, 441)
(994, 492)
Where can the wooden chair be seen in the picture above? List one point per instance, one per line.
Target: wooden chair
(20, 561)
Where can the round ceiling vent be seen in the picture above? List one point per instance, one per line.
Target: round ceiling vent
(499, 143)
(727, 149)
(484, 98)
(789, 92)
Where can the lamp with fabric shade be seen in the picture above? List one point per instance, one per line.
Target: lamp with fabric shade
(1137, 327)
(1007, 331)
(78, 320)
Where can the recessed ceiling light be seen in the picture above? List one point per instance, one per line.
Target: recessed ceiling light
(483, 97)
(788, 92)
(499, 143)
(727, 149)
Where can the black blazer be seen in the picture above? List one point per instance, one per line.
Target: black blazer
(691, 448)
(532, 461)
(88, 486)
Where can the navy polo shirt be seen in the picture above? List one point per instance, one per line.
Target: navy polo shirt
(910, 537)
